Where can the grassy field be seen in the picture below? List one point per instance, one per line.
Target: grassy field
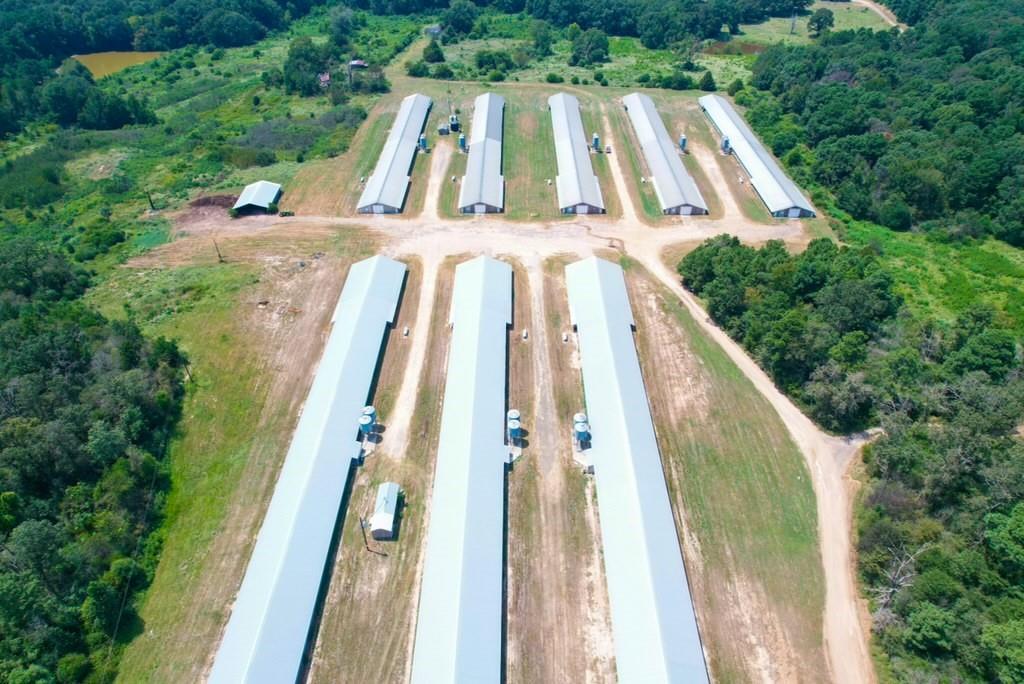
(940, 279)
(782, 30)
(232, 437)
(742, 494)
(529, 158)
(448, 204)
(727, 59)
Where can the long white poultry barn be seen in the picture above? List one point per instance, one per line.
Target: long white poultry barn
(777, 190)
(459, 627)
(266, 636)
(483, 186)
(677, 192)
(653, 621)
(577, 186)
(387, 187)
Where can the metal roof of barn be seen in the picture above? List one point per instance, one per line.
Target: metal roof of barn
(777, 190)
(259, 194)
(653, 621)
(576, 182)
(483, 182)
(265, 638)
(389, 182)
(459, 628)
(673, 185)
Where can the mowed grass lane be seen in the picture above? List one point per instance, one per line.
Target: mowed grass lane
(742, 492)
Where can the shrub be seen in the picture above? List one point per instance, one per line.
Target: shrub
(734, 87)
(575, 80)
(433, 54)
(676, 81)
(707, 83)
(496, 76)
(493, 60)
(442, 72)
(552, 77)
(33, 180)
(417, 69)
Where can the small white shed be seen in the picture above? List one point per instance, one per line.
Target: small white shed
(258, 195)
(382, 522)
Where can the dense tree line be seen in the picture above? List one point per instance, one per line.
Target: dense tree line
(36, 37)
(920, 129)
(910, 11)
(87, 407)
(658, 24)
(941, 531)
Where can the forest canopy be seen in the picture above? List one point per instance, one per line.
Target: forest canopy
(916, 129)
(36, 37)
(87, 407)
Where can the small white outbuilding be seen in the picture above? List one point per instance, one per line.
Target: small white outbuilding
(382, 522)
(258, 195)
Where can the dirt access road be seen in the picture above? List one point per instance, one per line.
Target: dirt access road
(884, 12)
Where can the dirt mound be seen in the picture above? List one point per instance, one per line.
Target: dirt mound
(224, 201)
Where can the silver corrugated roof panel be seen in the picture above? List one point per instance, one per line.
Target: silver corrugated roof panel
(259, 194)
(777, 190)
(576, 182)
(386, 506)
(653, 621)
(673, 185)
(389, 182)
(488, 116)
(266, 635)
(459, 628)
(483, 183)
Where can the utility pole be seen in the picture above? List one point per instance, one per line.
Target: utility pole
(149, 196)
(220, 257)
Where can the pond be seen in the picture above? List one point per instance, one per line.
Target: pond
(102, 64)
